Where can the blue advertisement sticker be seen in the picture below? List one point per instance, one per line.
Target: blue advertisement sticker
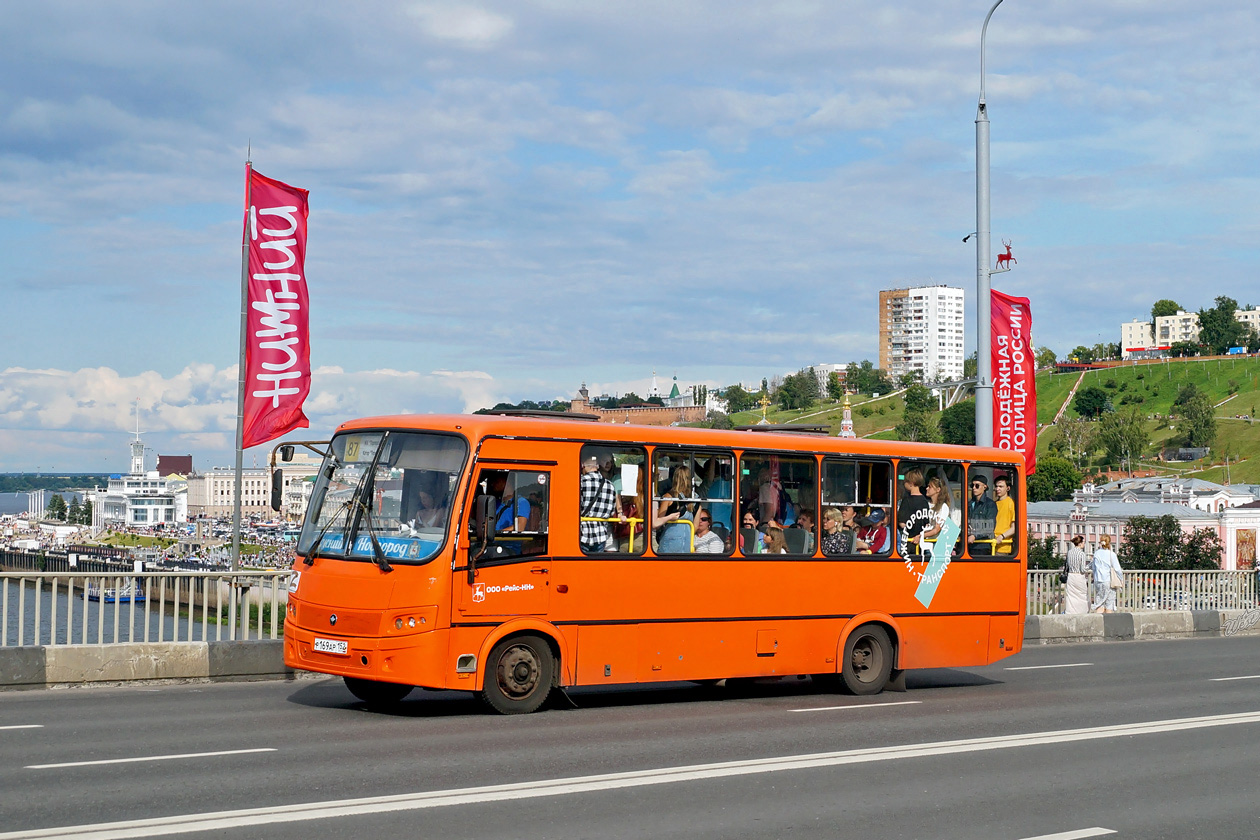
(936, 567)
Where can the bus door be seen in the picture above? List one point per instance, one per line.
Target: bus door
(510, 574)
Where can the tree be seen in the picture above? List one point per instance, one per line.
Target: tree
(835, 386)
(971, 366)
(1159, 543)
(1081, 354)
(1198, 416)
(1079, 438)
(1041, 554)
(1045, 358)
(1054, 480)
(958, 423)
(1183, 349)
(631, 398)
(865, 378)
(1201, 549)
(909, 378)
(1151, 543)
(86, 515)
(798, 390)
(918, 425)
(919, 398)
(737, 399)
(1091, 402)
(1219, 330)
(74, 513)
(1124, 436)
(1162, 308)
(56, 508)
(717, 420)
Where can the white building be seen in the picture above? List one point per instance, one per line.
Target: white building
(140, 498)
(921, 330)
(1136, 337)
(823, 373)
(1169, 329)
(213, 493)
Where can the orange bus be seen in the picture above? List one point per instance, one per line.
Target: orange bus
(514, 555)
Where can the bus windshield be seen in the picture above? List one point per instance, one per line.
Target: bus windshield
(395, 486)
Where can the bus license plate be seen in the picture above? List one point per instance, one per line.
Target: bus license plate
(340, 646)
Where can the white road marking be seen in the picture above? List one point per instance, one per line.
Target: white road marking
(270, 815)
(146, 758)
(1039, 667)
(1229, 679)
(24, 726)
(859, 706)
(1079, 834)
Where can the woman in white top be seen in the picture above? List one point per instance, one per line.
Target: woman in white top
(1077, 599)
(1106, 564)
(941, 502)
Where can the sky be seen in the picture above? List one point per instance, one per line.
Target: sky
(511, 199)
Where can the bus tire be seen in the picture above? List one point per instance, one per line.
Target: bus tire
(377, 695)
(868, 659)
(519, 675)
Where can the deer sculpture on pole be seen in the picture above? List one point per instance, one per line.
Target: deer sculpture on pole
(1004, 260)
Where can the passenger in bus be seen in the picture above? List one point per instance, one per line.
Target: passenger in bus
(673, 537)
(716, 486)
(502, 489)
(849, 521)
(772, 500)
(941, 502)
(429, 514)
(981, 517)
(874, 532)
(836, 540)
(805, 522)
(774, 542)
(707, 541)
(750, 536)
(913, 514)
(631, 507)
(1004, 528)
(597, 500)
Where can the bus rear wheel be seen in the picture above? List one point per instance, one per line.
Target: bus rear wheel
(867, 661)
(376, 694)
(519, 674)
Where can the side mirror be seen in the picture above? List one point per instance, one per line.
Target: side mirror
(277, 489)
(286, 452)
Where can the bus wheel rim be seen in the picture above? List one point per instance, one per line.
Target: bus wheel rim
(518, 671)
(866, 659)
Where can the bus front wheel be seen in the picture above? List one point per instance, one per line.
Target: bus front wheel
(375, 694)
(867, 663)
(519, 674)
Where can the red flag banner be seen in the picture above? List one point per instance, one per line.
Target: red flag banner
(277, 346)
(1014, 382)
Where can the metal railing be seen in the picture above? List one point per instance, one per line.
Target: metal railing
(52, 608)
(1155, 590)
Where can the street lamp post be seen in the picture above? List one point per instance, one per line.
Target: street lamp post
(984, 371)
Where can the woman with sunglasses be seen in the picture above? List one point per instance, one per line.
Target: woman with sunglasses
(707, 540)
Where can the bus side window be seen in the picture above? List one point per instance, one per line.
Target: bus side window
(781, 493)
(930, 508)
(857, 498)
(611, 499)
(520, 510)
(1006, 528)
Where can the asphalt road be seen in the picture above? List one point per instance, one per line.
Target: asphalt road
(1129, 740)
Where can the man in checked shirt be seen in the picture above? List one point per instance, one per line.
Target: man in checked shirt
(598, 500)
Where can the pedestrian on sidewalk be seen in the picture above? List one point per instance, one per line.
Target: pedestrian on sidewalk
(1106, 567)
(1076, 600)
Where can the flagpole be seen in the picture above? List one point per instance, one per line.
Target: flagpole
(240, 378)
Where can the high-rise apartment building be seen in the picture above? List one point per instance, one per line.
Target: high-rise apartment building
(921, 329)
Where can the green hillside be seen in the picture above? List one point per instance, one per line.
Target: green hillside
(870, 416)
(1233, 385)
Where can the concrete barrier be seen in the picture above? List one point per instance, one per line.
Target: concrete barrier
(65, 665)
(1139, 625)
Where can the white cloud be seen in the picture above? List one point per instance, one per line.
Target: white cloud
(467, 26)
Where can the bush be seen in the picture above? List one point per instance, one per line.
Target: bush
(1110, 383)
(865, 411)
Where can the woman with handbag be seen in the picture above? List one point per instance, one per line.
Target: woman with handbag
(1108, 576)
(1076, 599)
